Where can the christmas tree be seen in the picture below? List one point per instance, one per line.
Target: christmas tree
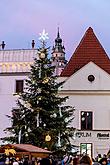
(42, 118)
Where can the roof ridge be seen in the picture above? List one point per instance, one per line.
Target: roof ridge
(88, 49)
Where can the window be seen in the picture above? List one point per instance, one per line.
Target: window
(19, 86)
(86, 148)
(86, 120)
(91, 78)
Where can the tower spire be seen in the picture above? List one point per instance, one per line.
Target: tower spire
(58, 54)
(58, 33)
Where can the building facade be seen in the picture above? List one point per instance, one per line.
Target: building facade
(87, 83)
(15, 68)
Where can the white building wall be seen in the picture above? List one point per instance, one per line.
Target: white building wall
(14, 65)
(90, 96)
(100, 108)
(7, 99)
(83, 94)
(79, 80)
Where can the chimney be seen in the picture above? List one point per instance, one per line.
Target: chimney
(3, 45)
(33, 44)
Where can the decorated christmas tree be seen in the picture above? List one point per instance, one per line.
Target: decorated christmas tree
(42, 117)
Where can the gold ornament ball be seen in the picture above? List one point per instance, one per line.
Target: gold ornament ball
(48, 138)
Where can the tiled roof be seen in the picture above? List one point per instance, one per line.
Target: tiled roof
(29, 148)
(89, 49)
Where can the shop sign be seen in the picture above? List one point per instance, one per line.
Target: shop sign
(83, 134)
(103, 135)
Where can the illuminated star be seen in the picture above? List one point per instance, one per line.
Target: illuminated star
(43, 35)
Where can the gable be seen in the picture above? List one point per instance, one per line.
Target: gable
(79, 80)
(89, 49)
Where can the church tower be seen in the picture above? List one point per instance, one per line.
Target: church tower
(58, 55)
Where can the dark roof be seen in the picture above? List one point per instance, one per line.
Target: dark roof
(89, 49)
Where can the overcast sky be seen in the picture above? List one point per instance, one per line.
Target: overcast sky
(23, 20)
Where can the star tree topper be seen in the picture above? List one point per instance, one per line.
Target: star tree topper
(43, 37)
